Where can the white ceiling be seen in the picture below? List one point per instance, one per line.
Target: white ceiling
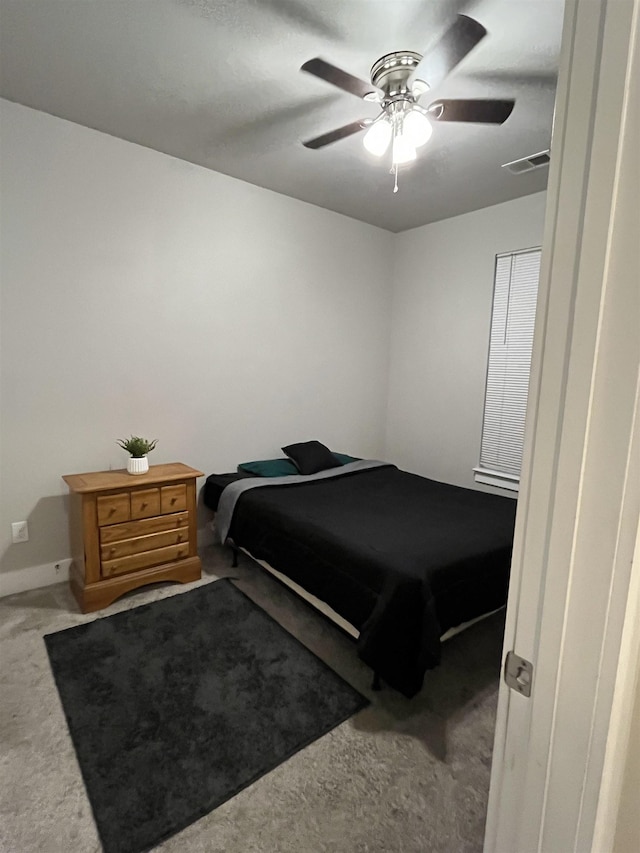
(216, 82)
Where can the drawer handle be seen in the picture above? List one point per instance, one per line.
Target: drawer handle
(173, 500)
(112, 550)
(143, 505)
(179, 537)
(112, 510)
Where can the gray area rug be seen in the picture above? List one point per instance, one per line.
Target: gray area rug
(175, 706)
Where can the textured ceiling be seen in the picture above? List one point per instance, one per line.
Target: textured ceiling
(216, 82)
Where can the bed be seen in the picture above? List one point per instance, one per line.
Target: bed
(400, 557)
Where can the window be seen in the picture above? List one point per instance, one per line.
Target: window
(505, 404)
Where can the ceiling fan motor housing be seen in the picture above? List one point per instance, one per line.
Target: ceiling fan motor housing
(392, 71)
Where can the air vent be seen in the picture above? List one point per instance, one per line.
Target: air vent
(526, 164)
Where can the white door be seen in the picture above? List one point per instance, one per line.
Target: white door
(580, 488)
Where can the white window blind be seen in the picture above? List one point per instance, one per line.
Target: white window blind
(512, 323)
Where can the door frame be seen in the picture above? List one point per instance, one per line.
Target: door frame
(580, 488)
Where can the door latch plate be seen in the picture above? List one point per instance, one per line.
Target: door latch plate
(518, 673)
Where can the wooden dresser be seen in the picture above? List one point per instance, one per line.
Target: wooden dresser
(130, 530)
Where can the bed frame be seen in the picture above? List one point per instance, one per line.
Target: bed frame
(327, 611)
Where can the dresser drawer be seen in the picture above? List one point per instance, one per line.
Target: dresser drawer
(173, 498)
(122, 565)
(113, 508)
(127, 547)
(145, 503)
(132, 529)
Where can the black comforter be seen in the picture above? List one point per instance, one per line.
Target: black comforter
(401, 557)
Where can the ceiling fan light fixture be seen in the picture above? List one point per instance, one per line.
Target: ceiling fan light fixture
(377, 138)
(417, 127)
(419, 88)
(403, 150)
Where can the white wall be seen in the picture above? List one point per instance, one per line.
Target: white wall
(440, 335)
(142, 294)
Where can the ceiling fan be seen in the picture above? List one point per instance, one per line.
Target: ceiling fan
(398, 81)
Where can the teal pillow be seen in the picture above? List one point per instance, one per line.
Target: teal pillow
(344, 458)
(269, 468)
(281, 467)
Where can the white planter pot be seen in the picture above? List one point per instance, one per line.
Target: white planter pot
(137, 464)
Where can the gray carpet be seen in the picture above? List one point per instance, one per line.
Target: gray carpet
(402, 776)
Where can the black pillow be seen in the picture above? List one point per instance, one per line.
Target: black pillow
(309, 457)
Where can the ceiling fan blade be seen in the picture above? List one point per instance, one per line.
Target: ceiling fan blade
(272, 129)
(342, 79)
(451, 49)
(476, 111)
(335, 135)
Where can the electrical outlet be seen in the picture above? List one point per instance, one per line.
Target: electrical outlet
(19, 531)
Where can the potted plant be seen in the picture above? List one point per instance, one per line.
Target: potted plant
(137, 448)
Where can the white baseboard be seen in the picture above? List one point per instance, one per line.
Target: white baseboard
(34, 577)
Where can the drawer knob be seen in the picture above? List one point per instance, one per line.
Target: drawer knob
(112, 550)
(173, 500)
(143, 505)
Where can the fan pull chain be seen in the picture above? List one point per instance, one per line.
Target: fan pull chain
(395, 183)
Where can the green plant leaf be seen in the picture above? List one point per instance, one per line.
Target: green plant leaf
(137, 446)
